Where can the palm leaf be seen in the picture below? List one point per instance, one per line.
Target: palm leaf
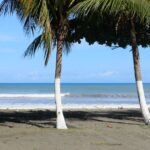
(138, 8)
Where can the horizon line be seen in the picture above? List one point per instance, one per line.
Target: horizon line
(72, 82)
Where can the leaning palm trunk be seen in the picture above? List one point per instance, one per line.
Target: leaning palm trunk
(61, 124)
(138, 77)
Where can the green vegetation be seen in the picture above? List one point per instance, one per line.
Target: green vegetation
(62, 22)
(130, 17)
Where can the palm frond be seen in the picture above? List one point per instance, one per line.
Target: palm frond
(8, 6)
(32, 48)
(138, 8)
(42, 41)
(44, 15)
(67, 47)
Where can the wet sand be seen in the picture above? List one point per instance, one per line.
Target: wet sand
(88, 130)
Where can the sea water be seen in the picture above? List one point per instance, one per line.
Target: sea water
(42, 94)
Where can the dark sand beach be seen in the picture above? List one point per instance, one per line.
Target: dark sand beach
(88, 130)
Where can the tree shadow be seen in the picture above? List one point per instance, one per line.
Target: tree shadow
(41, 119)
(132, 117)
(47, 119)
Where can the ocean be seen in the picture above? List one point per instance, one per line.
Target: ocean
(15, 95)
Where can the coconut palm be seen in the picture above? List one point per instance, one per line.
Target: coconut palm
(31, 20)
(131, 12)
(59, 20)
(54, 19)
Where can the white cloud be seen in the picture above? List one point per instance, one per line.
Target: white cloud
(32, 76)
(8, 38)
(107, 73)
(103, 74)
(8, 50)
(90, 75)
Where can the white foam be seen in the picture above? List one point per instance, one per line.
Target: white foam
(31, 95)
(71, 107)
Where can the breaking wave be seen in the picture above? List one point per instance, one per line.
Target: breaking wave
(31, 95)
(107, 95)
(72, 95)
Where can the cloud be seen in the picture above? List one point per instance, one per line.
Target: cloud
(32, 76)
(103, 74)
(89, 76)
(8, 50)
(107, 73)
(8, 38)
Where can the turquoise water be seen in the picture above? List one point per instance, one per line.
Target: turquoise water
(42, 93)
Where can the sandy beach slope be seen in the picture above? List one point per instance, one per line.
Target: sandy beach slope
(88, 130)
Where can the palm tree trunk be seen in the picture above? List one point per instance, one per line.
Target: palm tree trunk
(138, 77)
(61, 124)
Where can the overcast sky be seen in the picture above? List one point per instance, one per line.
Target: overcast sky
(87, 64)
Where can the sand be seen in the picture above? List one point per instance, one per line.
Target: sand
(88, 130)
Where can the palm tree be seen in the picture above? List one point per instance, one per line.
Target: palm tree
(54, 19)
(31, 16)
(131, 11)
(138, 76)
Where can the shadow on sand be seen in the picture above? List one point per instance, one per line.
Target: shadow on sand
(46, 119)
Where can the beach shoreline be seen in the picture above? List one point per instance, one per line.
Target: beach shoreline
(87, 129)
(73, 107)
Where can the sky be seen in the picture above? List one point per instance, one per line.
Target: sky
(85, 63)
